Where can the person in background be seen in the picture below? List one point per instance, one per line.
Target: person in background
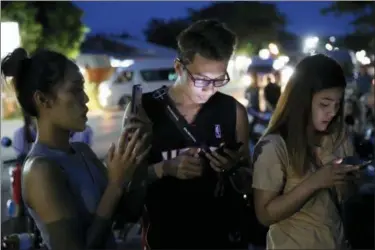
(363, 82)
(299, 183)
(272, 92)
(68, 192)
(252, 92)
(86, 136)
(24, 136)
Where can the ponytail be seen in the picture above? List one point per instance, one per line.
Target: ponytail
(27, 131)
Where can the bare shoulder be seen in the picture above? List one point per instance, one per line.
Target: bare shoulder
(241, 111)
(40, 173)
(39, 167)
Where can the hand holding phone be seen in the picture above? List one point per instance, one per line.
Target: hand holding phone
(221, 160)
(233, 147)
(354, 161)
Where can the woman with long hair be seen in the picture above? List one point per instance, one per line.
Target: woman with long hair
(298, 180)
(66, 189)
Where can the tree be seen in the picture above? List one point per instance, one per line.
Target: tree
(363, 11)
(61, 27)
(164, 33)
(63, 30)
(256, 24)
(364, 21)
(30, 30)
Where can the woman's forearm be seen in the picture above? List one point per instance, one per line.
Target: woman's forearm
(101, 226)
(287, 204)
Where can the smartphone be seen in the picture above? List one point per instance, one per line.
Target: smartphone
(234, 147)
(356, 161)
(136, 101)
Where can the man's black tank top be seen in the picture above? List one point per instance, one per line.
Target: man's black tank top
(183, 213)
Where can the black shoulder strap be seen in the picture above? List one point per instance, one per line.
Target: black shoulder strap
(185, 129)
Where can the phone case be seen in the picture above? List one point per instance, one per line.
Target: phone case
(136, 98)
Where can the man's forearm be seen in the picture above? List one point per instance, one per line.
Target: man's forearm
(155, 172)
(133, 201)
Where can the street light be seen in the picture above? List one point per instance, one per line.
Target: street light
(273, 49)
(310, 44)
(329, 47)
(242, 62)
(264, 54)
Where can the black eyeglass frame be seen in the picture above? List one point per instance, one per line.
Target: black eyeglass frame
(202, 83)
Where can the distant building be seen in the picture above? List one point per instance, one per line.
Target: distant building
(98, 51)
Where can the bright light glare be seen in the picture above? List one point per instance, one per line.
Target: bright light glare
(362, 58)
(284, 59)
(242, 62)
(115, 63)
(264, 54)
(329, 47)
(104, 94)
(246, 80)
(286, 73)
(10, 37)
(360, 54)
(273, 49)
(278, 64)
(310, 43)
(366, 61)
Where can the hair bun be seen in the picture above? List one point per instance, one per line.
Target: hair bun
(12, 63)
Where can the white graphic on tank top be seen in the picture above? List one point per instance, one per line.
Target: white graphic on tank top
(217, 131)
(170, 154)
(159, 93)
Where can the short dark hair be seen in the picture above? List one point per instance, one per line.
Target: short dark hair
(292, 115)
(40, 72)
(209, 38)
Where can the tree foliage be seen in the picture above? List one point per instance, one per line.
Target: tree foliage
(256, 24)
(30, 30)
(49, 25)
(253, 22)
(363, 13)
(164, 32)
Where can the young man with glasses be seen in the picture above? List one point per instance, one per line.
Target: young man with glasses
(183, 207)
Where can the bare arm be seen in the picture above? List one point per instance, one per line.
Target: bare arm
(271, 207)
(155, 171)
(48, 194)
(131, 205)
(268, 182)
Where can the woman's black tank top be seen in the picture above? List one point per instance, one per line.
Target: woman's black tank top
(182, 213)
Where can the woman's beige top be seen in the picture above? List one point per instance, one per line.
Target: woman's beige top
(317, 225)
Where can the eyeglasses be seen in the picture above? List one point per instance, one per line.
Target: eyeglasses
(202, 83)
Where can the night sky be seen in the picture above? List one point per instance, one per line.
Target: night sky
(115, 17)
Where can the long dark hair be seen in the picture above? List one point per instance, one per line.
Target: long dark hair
(29, 138)
(292, 116)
